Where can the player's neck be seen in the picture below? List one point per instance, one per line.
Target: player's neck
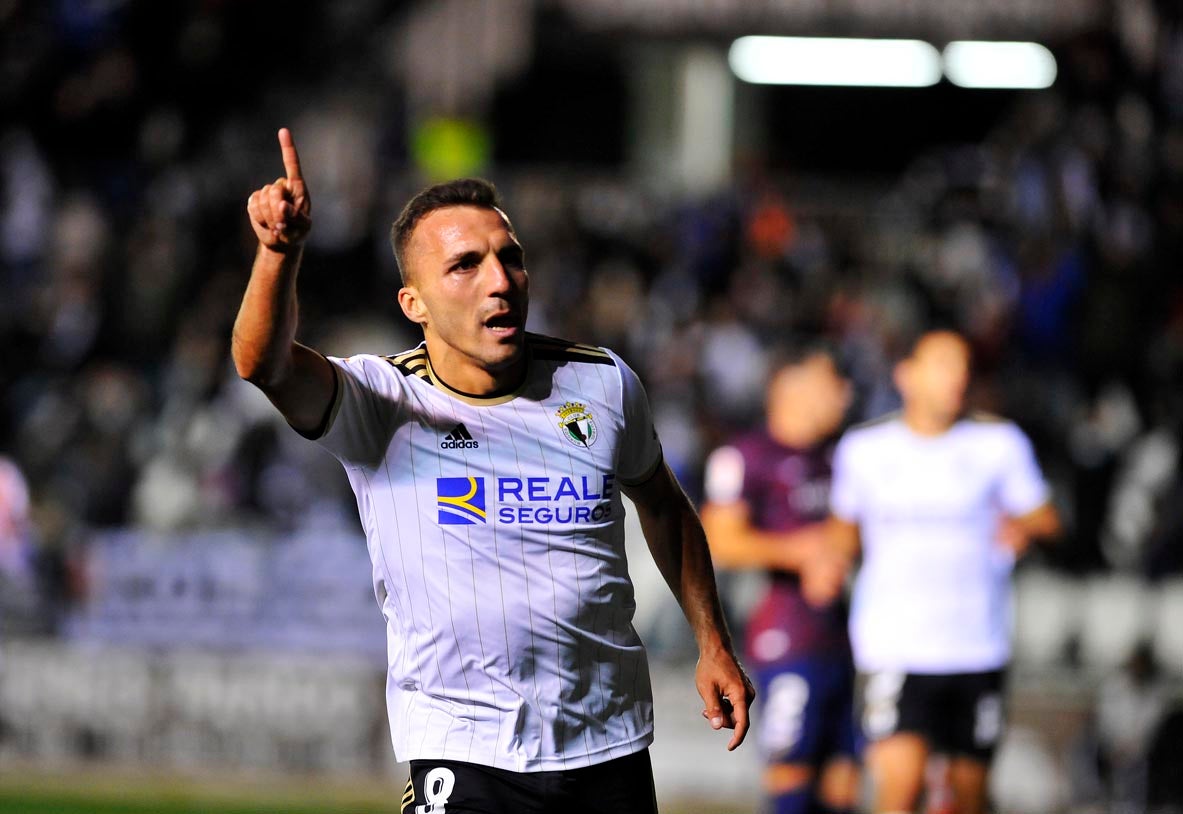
(925, 422)
(469, 377)
(795, 435)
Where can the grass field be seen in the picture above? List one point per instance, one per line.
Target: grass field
(97, 790)
(93, 790)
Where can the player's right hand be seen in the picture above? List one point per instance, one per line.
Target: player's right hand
(281, 212)
(823, 577)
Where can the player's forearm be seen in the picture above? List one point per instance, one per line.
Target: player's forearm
(1043, 524)
(736, 544)
(679, 547)
(265, 329)
(842, 538)
(699, 593)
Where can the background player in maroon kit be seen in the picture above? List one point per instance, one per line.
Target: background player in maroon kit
(767, 501)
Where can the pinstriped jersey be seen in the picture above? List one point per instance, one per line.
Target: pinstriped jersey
(495, 530)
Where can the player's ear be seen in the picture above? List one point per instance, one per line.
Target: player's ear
(412, 304)
(901, 375)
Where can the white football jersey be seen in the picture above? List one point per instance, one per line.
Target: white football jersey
(933, 592)
(495, 530)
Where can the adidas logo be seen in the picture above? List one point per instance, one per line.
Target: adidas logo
(459, 438)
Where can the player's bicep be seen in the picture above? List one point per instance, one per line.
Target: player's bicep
(640, 457)
(846, 498)
(1023, 490)
(305, 394)
(654, 495)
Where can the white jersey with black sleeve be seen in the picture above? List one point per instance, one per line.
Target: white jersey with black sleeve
(932, 594)
(495, 530)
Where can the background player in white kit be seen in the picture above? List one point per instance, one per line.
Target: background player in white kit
(941, 504)
(488, 465)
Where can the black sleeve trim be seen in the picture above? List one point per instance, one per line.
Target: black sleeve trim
(326, 420)
(647, 476)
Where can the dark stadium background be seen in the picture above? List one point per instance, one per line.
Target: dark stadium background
(185, 618)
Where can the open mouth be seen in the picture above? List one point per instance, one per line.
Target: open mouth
(506, 322)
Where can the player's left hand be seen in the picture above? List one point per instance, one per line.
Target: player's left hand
(822, 578)
(727, 693)
(1013, 536)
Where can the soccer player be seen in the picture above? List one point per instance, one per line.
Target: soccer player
(767, 503)
(940, 503)
(488, 465)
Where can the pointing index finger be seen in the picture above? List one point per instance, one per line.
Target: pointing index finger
(291, 159)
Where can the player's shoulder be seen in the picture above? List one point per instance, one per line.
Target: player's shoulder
(869, 440)
(986, 418)
(411, 363)
(990, 424)
(563, 351)
(751, 446)
(990, 430)
(878, 427)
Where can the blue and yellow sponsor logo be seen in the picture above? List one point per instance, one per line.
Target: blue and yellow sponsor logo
(546, 500)
(461, 501)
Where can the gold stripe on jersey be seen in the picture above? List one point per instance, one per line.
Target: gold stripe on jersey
(542, 339)
(550, 349)
(875, 422)
(539, 340)
(411, 363)
(408, 796)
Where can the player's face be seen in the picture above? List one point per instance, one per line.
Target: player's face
(468, 288)
(811, 395)
(938, 375)
(830, 395)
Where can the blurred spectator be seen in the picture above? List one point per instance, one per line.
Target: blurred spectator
(15, 531)
(1052, 243)
(18, 591)
(1131, 705)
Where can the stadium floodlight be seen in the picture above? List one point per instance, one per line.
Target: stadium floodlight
(1017, 65)
(835, 61)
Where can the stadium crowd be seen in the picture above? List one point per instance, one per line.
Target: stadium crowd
(1053, 244)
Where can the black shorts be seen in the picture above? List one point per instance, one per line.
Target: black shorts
(623, 786)
(958, 714)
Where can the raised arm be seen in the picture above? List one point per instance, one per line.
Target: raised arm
(679, 547)
(298, 380)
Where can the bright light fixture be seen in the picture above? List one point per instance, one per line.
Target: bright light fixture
(828, 61)
(1021, 65)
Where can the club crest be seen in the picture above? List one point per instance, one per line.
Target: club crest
(576, 424)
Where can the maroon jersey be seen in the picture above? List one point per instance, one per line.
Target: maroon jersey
(784, 489)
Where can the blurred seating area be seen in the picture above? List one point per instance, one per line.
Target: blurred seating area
(1054, 243)
(129, 450)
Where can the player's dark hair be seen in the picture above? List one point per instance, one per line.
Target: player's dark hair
(796, 352)
(460, 192)
(913, 339)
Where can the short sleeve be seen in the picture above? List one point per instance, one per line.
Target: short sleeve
(1023, 488)
(725, 475)
(845, 501)
(640, 449)
(357, 427)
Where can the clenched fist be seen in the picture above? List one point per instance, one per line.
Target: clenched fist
(281, 212)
